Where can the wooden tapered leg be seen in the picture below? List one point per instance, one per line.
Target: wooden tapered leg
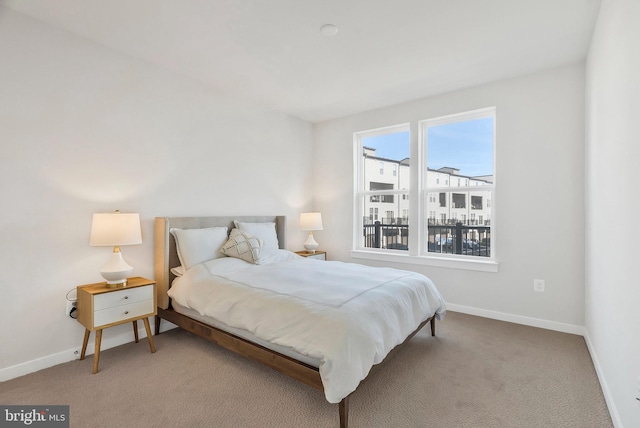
(433, 325)
(148, 328)
(135, 329)
(343, 408)
(84, 343)
(157, 323)
(96, 355)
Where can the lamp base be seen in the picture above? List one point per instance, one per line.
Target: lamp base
(116, 270)
(310, 244)
(121, 284)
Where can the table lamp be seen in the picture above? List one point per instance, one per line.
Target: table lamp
(311, 222)
(115, 230)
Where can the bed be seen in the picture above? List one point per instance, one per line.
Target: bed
(301, 302)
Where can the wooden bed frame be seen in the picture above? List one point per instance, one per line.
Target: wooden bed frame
(166, 258)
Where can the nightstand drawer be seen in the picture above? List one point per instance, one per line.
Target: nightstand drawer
(122, 312)
(318, 256)
(122, 297)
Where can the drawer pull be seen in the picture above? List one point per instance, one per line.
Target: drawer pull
(126, 297)
(126, 312)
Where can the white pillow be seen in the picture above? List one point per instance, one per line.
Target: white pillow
(199, 245)
(264, 231)
(242, 246)
(178, 271)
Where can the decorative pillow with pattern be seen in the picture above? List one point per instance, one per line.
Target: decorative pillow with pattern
(242, 246)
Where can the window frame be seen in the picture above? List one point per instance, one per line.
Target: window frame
(359, 191)
(418, 195)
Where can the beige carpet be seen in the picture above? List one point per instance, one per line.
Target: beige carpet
(476, 372)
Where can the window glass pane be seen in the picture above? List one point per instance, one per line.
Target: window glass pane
(459, 236)
(460, 155)
(461, 149)
(386, 160)
(384, 228)
(386, 167)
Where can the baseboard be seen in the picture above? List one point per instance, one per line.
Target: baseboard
(73, 353)
(518, 319)
(608, 398)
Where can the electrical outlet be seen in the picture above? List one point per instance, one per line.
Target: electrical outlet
(70, 305)
(538, 285)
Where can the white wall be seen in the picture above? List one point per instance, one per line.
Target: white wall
(539, 194)
(613, 204)
(84, 129)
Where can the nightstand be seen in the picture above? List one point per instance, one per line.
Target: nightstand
(102, 306)
(320, 255)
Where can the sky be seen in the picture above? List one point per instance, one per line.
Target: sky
(466, 145)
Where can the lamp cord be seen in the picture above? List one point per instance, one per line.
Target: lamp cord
(72, 313)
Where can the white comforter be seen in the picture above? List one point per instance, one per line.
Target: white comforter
(348, 316)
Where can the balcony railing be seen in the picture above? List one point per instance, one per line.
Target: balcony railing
(469, 239)
(392, 235)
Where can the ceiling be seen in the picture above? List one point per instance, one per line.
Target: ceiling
(272, 53)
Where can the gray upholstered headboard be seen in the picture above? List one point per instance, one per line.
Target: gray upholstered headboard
(166, 256)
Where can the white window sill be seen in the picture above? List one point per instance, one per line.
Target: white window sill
(446, 262)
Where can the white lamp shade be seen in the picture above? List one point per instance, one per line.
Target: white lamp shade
(115, 229)
(310, 221)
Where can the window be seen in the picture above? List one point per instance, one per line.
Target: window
(476, 202)
(461, 145)
(386, 199)
(459, 200)
(457, 150)
(390, 194)
(373, 214)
